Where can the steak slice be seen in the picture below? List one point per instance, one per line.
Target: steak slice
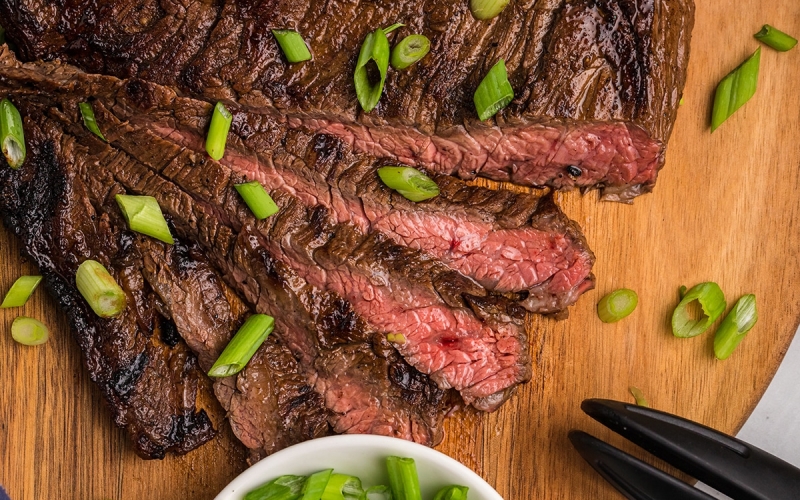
(597, 82)
(508, 242)
(148, 376)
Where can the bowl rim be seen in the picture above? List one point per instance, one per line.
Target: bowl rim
(254, 474)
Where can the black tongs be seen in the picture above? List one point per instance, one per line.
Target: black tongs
(731, 466)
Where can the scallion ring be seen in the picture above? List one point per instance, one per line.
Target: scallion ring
(453, 492)
(487, 9)
(143, 215)
(374, 54)
(735, 326)
(88, 119)
(403, 478)
(391, 28)
(243, 346)
(494, 92)
(98, 287)
(315, 485)
(218, 131)
(638, 395)
(410, 50)
(711, 300)
(616, 305)
(293, 46)
(735, 89)
(286, 487)
(12, 135)
(776, 38)
(409, 182)
(29, 331)
(20, 291)
(257, 199)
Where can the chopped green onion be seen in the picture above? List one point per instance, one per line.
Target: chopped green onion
(396, 338)
(494, 92)
(315, 485)
(88, 119)
(410, 50)
(638, 395)
(681, 292)
(12, 135)
(143, 215)
(29, 331)
(375, 49)
(453, 492)
(712, 301)
(343, 487)
(391, 28)
(403, 478)
(616, 305)
(487, 9)
(218, 131)
(98, 287)
(735, 89)
(735, 326)
(283, 488)
(20, 291)
(409, 182)
(380, 492)
(292, 45)
(257, 199)
(680, 103)
(776, 38)
(243, 345)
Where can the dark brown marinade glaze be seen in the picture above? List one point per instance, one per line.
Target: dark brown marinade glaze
(151, 387)
(589, 71)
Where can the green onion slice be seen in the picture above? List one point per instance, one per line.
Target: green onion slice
(257, 199)
(776, 38)
(487, 9)
(20, 291)
(283, 488)
(29, 331)
(712, 302)
(409, 182)
(453, 492)
(735, 326)
(638, 395)
(218, 131)
(410, 50)
(98, 287)
(143, 215)
(391, 28)
(375, 50)
(88, 119)
(403, 478)
(494, 92)
(735, 89)
(292, 45)
(616, 305)
(315, 485)
(12, 136)
(243, 345)
(343, 487)
(380, 492)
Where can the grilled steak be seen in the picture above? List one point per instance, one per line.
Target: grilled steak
(145, 372)
(358, 386)
(597, 81)
(507, 242)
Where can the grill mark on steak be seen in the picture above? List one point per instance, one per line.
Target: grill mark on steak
(507, 242)
(152, 389)
(597, 82)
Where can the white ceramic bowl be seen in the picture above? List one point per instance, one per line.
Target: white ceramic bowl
(363, 456)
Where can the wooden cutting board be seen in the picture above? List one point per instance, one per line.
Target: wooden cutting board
(726, 208)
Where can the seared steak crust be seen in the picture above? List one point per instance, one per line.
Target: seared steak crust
(597, 81)
(149, 379)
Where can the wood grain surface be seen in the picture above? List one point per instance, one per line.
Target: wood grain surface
(726, 208)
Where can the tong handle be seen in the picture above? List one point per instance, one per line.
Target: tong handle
(738, 469)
